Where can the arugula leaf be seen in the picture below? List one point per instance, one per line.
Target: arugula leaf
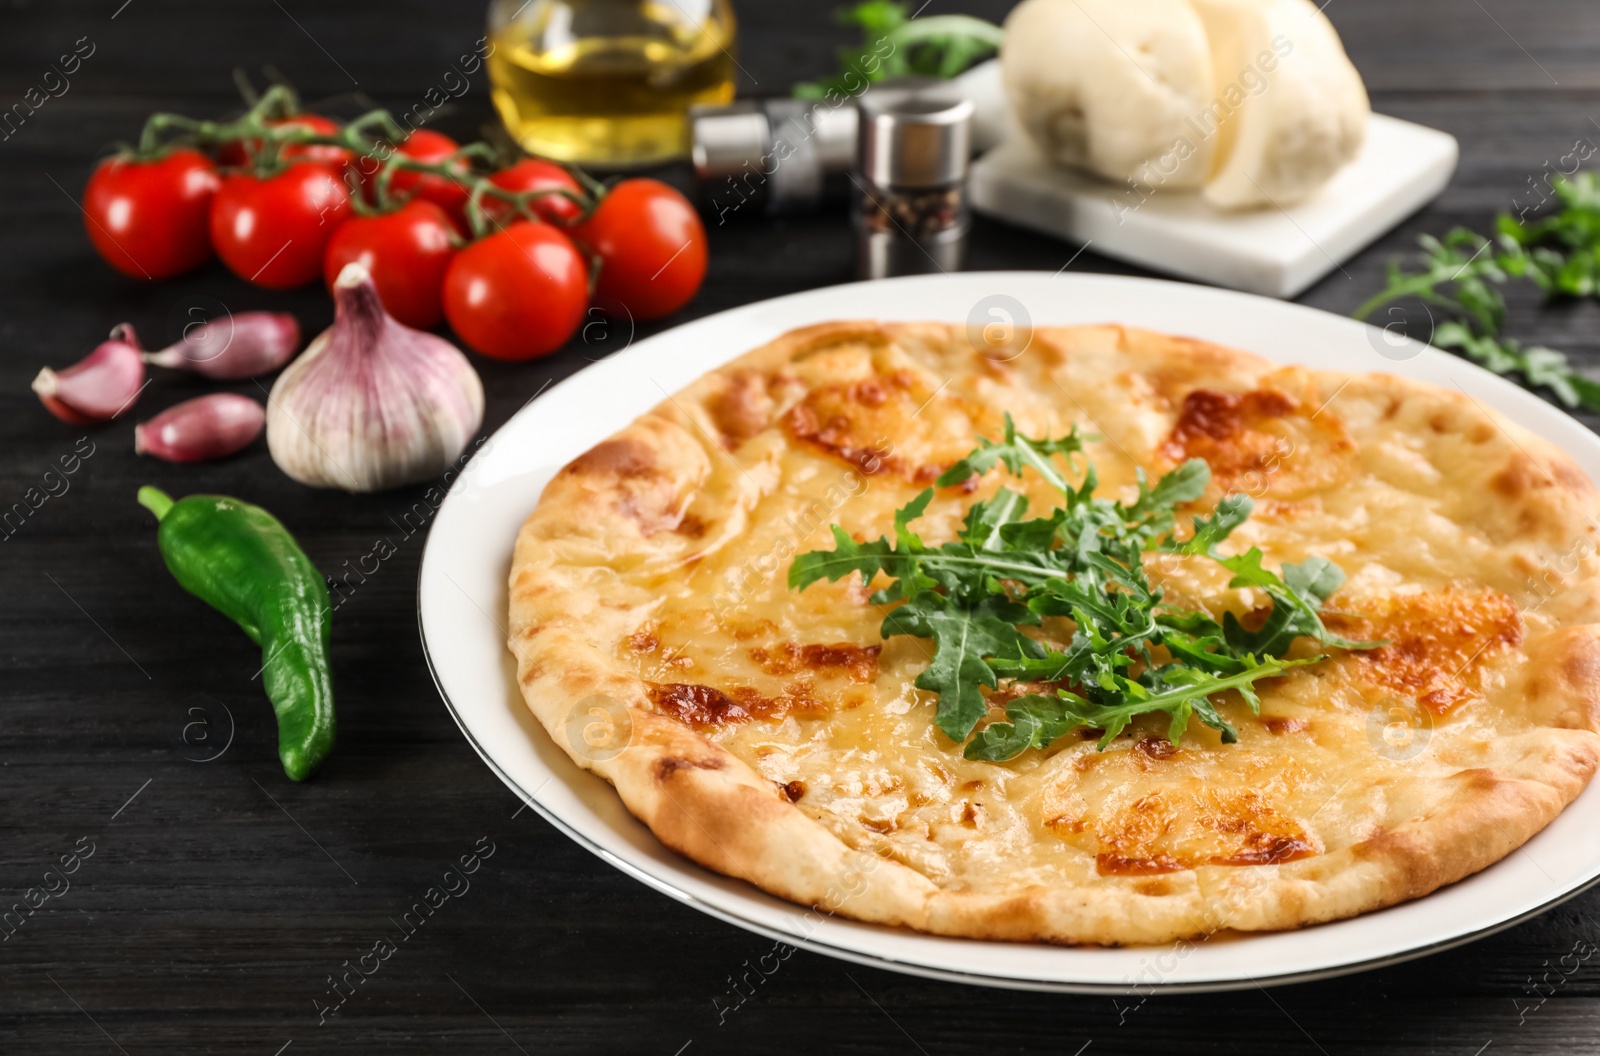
(1016, 452)
(1184, 484)
(1036, 721)
(1314, 579)
(1033, 721)
(963, 637)
(847, 556)
(897, 559)
(985, 520)
(1297, 599)
(973, 597)
(1229, 514)
(1538, 364)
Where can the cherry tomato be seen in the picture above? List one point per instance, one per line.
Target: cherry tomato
(148, 219)
(651, 244)
(274, 232)
(450, 195)
(407, 252)
(519, 293)
(535, 174)
(337, 158)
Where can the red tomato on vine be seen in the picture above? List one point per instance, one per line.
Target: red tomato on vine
(535, 174)
(651, 245)
(150, 219)
(449, 194)
(519, 293)
(274, 231)
(407, 253)
(337, 158)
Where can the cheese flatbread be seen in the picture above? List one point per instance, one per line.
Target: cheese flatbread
(774, 735)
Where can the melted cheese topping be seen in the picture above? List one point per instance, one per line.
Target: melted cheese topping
(801, 685)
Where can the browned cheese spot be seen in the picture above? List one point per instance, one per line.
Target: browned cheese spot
(625, 458)
(1224, 826)
(1264, 442)
(1437, 641)
(690, 527)
(1155, 747)
(666, 768)
(1189, 807)
(742, 408)
(859, 662)
(1523, 475)
(707, 709)
(643, 491)
(887, 423)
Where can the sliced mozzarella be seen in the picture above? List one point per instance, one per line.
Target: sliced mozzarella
(1110, 86)
(1288, 109)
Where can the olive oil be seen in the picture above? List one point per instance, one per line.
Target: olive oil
(608, 82)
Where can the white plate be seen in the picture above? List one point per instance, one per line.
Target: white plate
(462, 606)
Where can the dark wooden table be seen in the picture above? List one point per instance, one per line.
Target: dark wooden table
(219, 898)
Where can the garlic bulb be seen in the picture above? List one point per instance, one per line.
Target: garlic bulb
(372, 404)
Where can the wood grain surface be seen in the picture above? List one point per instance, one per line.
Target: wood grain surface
(220, 901)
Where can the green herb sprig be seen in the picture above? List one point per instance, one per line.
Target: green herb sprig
(1083, 561)
(893, 44)
(1463, 273)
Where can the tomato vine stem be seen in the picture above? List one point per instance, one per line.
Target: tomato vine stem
(375, 135)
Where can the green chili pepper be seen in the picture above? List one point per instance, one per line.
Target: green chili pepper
(242, 561)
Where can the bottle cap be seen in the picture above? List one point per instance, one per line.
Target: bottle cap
(915, 133)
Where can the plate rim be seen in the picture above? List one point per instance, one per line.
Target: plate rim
(885, 961)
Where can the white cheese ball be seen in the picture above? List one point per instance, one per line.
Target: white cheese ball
(1107, 86)
(1290, 108)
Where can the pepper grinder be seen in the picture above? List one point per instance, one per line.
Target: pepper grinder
(774, 156)
(914, 141)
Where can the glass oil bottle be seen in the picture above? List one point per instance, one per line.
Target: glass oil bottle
(608, 83)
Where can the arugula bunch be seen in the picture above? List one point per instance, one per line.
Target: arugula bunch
(1083, 561)
(894, 44)
(1463, 273)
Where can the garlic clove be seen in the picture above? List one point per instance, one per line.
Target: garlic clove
(202, 429)
(371, 403)
(98, 387)
(240, 346)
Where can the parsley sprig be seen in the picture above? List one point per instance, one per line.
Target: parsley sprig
(1129, 654)
(1464, 272)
